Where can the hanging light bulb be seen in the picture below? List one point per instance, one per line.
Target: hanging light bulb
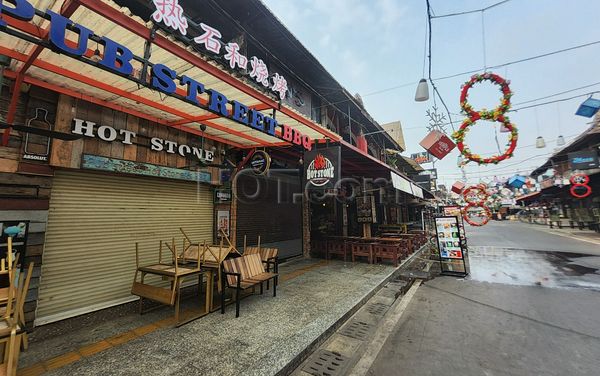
(560, 141)
(422, 93)
(540, 143)
(96, 56)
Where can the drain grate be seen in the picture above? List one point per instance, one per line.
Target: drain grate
(357, 330)
(377, 308)
(326, 363)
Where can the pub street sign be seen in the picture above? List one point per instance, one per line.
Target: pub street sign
(117, 59)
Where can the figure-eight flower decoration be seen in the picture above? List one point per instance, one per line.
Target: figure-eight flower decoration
(475, 196)
(497, 114)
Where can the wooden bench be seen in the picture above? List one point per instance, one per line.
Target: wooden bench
(269, 256)
(243, 273)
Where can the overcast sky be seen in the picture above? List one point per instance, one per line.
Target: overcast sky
(370, 46)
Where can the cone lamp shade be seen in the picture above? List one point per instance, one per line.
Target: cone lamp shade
(422, 93)
(540, 143)
(560, 141)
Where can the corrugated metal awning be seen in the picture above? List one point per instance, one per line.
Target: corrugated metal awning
(70, 76)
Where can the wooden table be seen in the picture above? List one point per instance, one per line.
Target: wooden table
(160, 294)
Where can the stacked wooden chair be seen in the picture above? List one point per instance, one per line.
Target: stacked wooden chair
(12, 321)
(170, 270)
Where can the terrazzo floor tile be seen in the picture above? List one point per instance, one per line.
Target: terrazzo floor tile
(270, 332)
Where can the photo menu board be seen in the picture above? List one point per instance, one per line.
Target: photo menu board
(450, 245)
(455, 211)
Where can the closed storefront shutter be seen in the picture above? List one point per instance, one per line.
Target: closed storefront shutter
(94, 222)
(270, 207)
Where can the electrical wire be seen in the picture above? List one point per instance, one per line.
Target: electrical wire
(435, 90)
(533, 106)
(504, 65)
(520, 60)
(471, 11)
(557, 94)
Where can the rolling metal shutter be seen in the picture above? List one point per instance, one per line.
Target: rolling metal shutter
(271, 211)
(94, 222)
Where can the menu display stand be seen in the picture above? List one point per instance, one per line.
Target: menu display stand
(451, 246)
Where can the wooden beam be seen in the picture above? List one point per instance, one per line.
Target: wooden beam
(87, 98)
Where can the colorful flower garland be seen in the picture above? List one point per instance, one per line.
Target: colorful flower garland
(497, 114)
(477, 201)
(488, 214)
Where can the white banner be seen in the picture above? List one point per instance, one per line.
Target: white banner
(401, 183)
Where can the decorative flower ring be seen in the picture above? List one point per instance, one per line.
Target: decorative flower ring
(486, 218)
(580, 180)
(504, 102)
(479, 197)
(459, 137)
(498, 114)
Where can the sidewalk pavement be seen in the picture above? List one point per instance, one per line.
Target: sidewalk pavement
(313, 298)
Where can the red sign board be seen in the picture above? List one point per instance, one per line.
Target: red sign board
(437, 144)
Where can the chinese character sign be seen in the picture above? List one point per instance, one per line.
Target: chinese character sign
(171, 13)
(280, 86)
(210, 38)
(234, 57)
(259, 71)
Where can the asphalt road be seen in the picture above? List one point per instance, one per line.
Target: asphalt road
(509, 234)
(520, 312)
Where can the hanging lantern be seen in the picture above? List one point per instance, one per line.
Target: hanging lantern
(437, 144)
(588, 108)
(516, 181)
(540, 143)
(458, 187)
(560, 141)
(422, 93)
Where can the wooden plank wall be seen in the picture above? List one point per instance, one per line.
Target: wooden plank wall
(9, 155)
(68, 154)
(25, 186)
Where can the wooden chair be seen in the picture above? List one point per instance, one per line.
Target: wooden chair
(9, 267)
(360, 249)
(12, 323)
(336, 247)
(243, 273)
(171, 271)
